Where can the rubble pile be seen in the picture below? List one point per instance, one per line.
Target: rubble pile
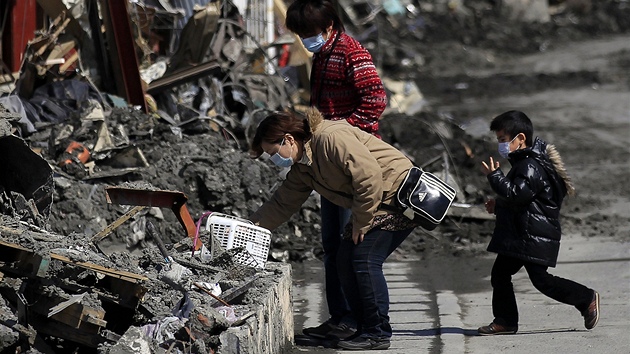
(69, 289)
(82, 272)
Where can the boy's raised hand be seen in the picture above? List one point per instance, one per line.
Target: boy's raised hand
(490, 203)
(486, 169)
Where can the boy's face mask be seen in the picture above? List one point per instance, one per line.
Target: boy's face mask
(504, 148)
(314, 44)
(280, 160)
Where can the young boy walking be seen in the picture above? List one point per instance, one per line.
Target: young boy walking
(527, 230)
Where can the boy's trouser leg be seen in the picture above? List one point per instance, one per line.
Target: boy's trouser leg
(559, 289)
(334, 219)
(504, 306)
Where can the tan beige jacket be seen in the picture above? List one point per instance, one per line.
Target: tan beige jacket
(347, 166)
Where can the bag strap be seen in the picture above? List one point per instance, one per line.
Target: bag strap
(412, 177)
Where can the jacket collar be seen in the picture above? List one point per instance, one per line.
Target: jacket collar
(330, 43)
(536, 150)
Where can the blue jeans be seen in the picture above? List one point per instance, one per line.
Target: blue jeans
(361, 273)
(334, 219)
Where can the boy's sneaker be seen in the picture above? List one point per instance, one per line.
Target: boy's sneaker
(494, 329)
(591, 314)
(328, 330)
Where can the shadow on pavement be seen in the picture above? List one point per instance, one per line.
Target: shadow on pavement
(437, 331)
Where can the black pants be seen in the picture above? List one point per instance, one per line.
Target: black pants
(504, 306)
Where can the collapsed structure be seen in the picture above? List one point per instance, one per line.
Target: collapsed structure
(120, 111)
(70, 288)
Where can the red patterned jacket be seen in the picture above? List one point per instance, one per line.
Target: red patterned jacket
(345, 84)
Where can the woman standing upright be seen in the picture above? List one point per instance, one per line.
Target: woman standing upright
(344, 86)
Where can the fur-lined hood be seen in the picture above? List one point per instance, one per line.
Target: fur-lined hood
(549, 158)
(314, 118)
(556, 160)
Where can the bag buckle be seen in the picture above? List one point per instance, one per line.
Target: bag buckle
(409, 213)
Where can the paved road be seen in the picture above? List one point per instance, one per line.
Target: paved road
(436, 305)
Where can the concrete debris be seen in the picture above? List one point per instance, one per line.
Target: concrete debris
(527, 10)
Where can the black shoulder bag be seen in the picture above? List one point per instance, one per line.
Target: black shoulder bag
(423, 198)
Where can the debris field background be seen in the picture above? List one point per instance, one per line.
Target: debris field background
(207, 159)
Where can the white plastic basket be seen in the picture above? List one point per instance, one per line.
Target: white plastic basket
(232, 232)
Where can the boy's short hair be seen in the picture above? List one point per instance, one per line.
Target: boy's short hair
(513, 123)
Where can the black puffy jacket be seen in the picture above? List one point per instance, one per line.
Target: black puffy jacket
(528, 204)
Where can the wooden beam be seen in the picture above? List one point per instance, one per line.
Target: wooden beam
(54, 8)
(125, 285)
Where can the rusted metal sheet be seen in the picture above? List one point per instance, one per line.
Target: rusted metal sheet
(174, 200)
(125, 62)
(21, 29)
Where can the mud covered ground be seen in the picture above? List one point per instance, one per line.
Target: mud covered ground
(472, 69)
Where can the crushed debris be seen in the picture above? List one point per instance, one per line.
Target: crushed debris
(99, 146)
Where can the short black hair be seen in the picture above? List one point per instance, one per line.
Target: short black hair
(513, 123)
(305, 16)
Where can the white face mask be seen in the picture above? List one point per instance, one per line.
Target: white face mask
(504, 148)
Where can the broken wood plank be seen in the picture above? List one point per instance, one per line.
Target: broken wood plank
(202, 288)
(61, 330)
(125, 285)
(39, 236)
(120, 274)
(23, 261)
(81, 316)
(237, 291)
(75, 315)
(55, 8)
(114, 225)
